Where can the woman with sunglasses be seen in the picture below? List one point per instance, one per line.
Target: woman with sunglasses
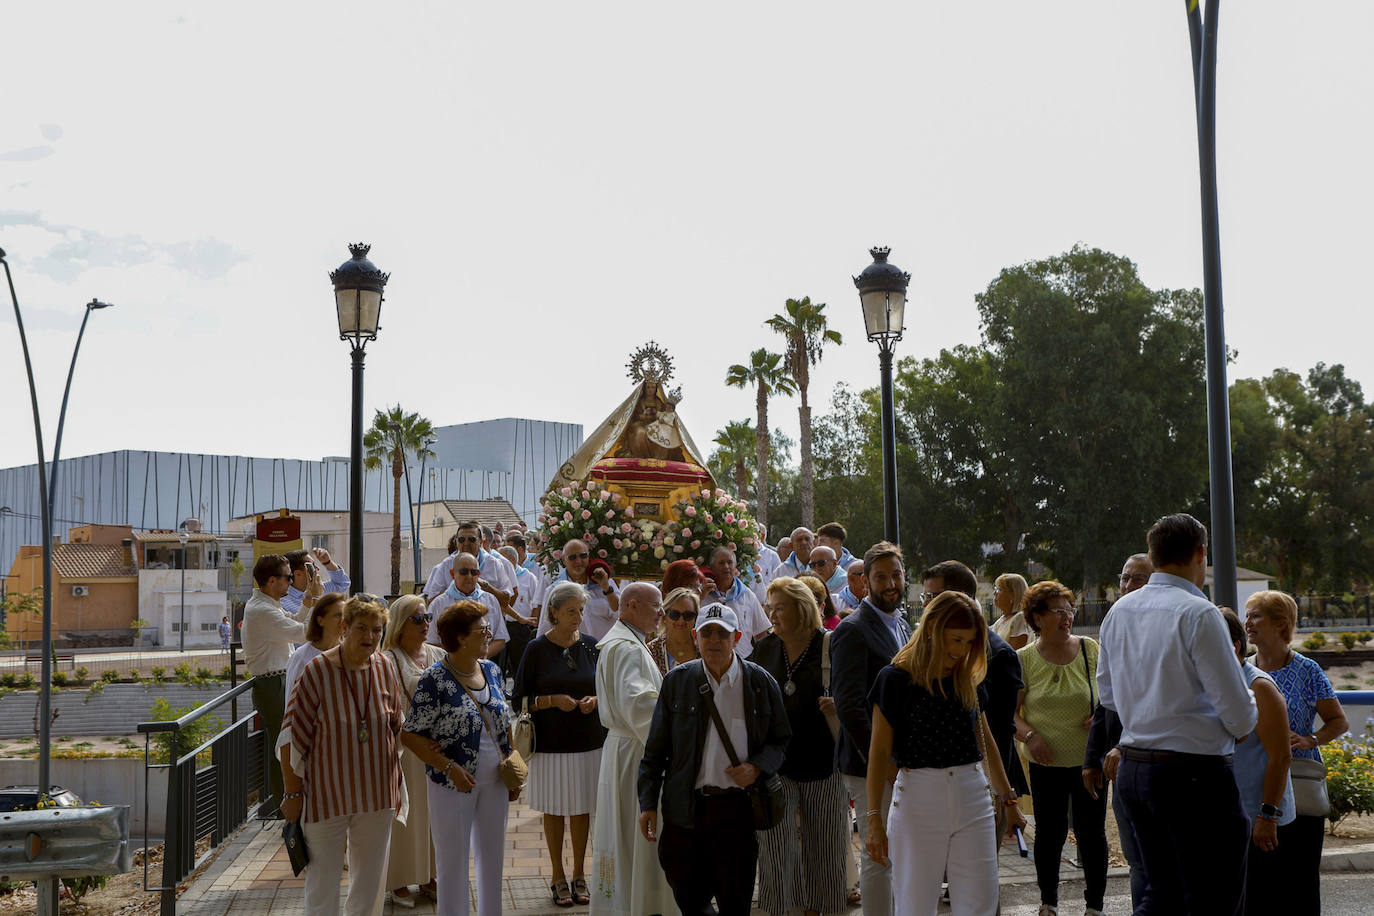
(556, 681)
(412, 851)
(674, 644)
(1054, 711)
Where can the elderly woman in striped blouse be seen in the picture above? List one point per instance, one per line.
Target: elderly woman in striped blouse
(342, 771)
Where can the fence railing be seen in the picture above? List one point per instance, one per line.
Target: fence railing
(212, 788)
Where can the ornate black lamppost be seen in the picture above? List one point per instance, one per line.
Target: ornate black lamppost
(358, 286)
(882, 293)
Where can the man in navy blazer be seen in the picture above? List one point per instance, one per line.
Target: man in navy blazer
(861, 646)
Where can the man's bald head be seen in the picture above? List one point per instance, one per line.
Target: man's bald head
(641, 606)
(802, 542)
(822, 562)
(858, 585)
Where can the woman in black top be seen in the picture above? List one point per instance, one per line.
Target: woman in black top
(802, 868)
(929, 729)
(557, 681)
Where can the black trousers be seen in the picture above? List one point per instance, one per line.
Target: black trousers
(718, 857)
(1287, 880)
(1052, 789)
(521, 635)
(1193, 835)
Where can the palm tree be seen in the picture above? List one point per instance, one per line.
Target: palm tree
(736, 442)
(394, 433)
(766, 373)
(806, 330)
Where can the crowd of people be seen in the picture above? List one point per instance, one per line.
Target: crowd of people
(728, 729)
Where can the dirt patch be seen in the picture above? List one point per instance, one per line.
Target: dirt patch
(122, 895)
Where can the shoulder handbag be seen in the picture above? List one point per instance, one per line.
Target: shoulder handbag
(999, 813)
(831, 719)
(1092, 697)
(1309, 787)
(512, 769)
(765, 795)
(522, 735)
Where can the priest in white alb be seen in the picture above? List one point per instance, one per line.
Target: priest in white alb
(626, 877)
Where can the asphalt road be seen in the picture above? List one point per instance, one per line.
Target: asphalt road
(1343, 894)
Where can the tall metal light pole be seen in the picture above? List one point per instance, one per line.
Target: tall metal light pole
(419, 506)
(358, 286)
(183, 537)
(1202, 37)
(47, 888)
(882, 293)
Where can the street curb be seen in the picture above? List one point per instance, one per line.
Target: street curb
(1349, 858)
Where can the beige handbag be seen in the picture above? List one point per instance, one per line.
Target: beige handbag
(830, 718)
(513, 769)
(522, 735)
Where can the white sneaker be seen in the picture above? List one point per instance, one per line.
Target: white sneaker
(1047, 910)
(408, 901)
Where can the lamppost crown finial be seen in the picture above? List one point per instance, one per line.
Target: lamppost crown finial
(359, 249)
(880, 253)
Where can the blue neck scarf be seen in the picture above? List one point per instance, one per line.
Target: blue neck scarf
(455, 595)
(733, 594)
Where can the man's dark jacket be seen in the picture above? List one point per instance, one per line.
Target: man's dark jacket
(677, 736)
(860, 647)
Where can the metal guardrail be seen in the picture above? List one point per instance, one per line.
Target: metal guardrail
(65, 842)
(204, 801)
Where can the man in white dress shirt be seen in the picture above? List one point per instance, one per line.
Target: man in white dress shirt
(268, 634)
(730, 591)
(464, 587)
(796, 563)
(603, 594)
(1167, 667)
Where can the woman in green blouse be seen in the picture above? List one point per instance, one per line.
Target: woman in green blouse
(1054, 711)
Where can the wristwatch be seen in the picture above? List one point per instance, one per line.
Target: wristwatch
(1270, 812)
(608, 592)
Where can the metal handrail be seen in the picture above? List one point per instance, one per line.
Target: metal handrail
(227, 777)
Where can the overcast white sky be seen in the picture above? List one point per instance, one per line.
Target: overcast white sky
(553, 184)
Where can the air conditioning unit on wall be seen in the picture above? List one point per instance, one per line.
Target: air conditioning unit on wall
(81, 591)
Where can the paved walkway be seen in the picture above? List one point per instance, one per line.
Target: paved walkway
(252, 875)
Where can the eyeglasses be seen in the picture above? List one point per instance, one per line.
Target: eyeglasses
(568, 658)
(1068, 612)
(469, 540)
(466, 572)
(1128, 578)
(817, 564)
(682, 615)
(370, 599)
(421, 618)
(577, 556)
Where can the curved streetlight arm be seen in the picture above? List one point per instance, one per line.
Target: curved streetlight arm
(62, 414)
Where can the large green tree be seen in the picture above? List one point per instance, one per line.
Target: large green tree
(802, 323)
(767, 375)
(1305, 478)
(394, 434)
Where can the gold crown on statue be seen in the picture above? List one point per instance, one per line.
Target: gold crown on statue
(650, 363)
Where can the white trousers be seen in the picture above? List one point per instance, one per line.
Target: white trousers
(941, 823)
(875, 881)
(367, 837)
(472, 821)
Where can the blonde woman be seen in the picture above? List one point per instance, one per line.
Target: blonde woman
(797, 867)
(1009, 596)
(412, 851)
(341, 770)
(675, 645)
(928, 722)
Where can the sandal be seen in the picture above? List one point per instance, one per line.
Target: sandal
(561, 894)
(579, 892)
